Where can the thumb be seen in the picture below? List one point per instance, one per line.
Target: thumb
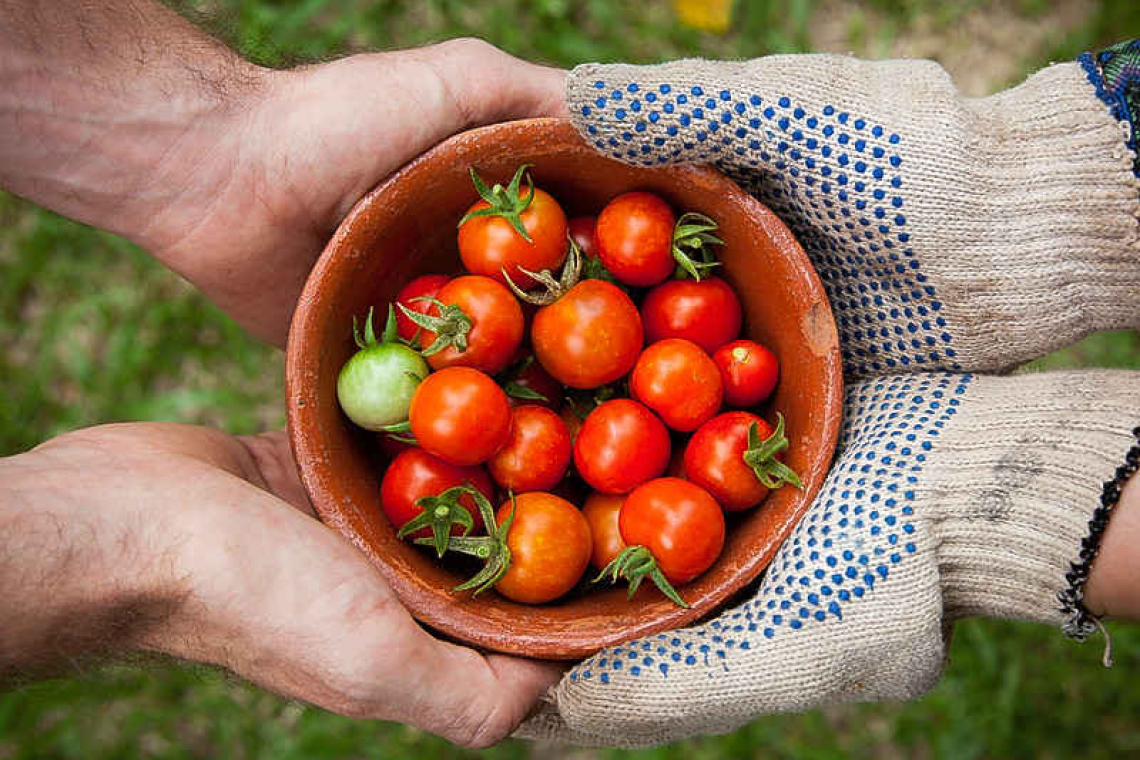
(506, 87)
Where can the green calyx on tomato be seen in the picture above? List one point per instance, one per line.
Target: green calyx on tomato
(368, 340)
(375, 386)
(761, 456)
(692, 236)
(491, 548)
(440, 512)
(451, 326)
(554, 288)
(635, 564)
(504, 202)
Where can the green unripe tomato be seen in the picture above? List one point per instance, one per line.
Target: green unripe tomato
(376, 384)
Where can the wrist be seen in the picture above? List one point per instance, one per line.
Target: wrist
(1018, 478)
(84, 570)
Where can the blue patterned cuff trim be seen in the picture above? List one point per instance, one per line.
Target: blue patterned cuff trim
(1115, 73)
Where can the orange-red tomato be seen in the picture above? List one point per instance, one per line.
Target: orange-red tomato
(601, 512)
(496, 325)
(677, 379)
(634, 235)
(550, 545)
(488, 244)
(537, 453)
(460, 415)
(589, 337)
(714, 459)
(706, 312)
(680, 524)
(749, 371)
(621, 445)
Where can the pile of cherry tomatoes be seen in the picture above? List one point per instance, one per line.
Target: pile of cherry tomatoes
(584, 361)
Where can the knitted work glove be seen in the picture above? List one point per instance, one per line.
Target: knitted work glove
(951, 233)
(951, 495)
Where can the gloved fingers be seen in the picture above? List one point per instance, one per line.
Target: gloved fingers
(753, 114)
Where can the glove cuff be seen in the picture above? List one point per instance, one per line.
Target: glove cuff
(1016, 492)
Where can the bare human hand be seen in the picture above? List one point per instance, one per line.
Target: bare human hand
(187, 541)
(125, 116)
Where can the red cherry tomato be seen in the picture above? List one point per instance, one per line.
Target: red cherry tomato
(488, 244)
(714, 460)
(550, 545)
(620, 446)
(589, 337)
(537, 453)
(678, 380)
(415, 474)
(601, 512)
(706, 312)
(679, 522)
(424, 286)
(496, 325)
(749, 372)
(581, 229)
(634, 235)
(460, 415)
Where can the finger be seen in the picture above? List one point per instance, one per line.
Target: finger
(473, 699)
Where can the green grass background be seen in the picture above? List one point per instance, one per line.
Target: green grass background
(94, 331)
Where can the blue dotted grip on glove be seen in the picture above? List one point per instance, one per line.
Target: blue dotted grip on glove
(860, 526)
(836, 178)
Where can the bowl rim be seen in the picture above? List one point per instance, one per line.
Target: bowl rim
(464, 624)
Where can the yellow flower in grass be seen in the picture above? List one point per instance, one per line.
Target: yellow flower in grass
(707, 15)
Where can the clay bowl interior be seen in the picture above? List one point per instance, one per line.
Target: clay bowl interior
(406, 227)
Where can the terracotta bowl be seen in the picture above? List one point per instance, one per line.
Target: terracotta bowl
(406, 227)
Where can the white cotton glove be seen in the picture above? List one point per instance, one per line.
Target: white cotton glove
(952, 495)
(951, 234)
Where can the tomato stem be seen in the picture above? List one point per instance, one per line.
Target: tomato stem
(439, 513)
(451, 326)
(635, 564)
(555, 289)
(504, 203)
(693, 234)
(761, 456)
(491, 548)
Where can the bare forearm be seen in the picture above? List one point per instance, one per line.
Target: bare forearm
(106, 107)
(80, 583)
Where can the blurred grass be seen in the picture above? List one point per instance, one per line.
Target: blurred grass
(94, 331)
